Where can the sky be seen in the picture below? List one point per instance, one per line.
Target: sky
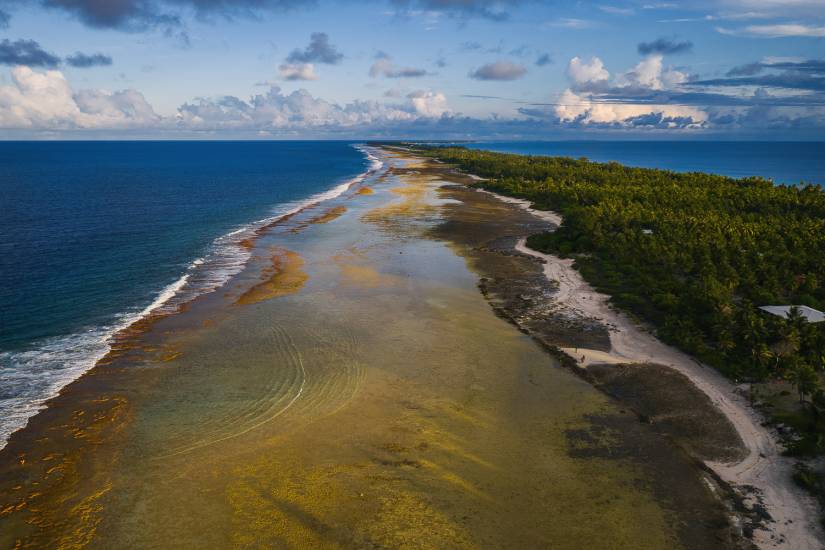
(417, 69)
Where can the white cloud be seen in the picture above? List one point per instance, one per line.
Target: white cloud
(776, 31)
(112, 109)
(650, 74)
(583, 103)
(672, 78)
(646, 74)
(46, 100)
(297, 71)
(581, 72)
(429, 104)
(584, 110)
(797, 10)
(300, 110)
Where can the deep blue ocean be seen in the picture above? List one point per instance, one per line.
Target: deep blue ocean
(783, 162)
(94, 234)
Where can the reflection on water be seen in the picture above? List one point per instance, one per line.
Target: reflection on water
(354, 389)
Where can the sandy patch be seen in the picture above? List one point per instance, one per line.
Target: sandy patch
(764, 475)
(284, 277)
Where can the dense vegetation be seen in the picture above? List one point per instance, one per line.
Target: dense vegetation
(693, 254)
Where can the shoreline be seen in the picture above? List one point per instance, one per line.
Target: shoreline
(385, 337)
(378, 392)
(229, 254)
(763, 478)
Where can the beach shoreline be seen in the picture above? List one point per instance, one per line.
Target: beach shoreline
(424, 406)
(762, 479)
(229, 252)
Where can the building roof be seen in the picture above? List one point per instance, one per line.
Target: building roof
(810, 314)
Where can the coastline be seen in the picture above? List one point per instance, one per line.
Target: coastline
(228, 256)
(763, 478)
(399, 397)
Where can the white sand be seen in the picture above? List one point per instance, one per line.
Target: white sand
(795, 524)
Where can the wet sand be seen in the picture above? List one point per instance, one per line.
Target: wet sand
(353, 387)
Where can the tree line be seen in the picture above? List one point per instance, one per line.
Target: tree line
(693, 254)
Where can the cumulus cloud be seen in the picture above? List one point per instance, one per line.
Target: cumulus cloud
(650, 74)
(300, 111)
(297, 71)
(651, 95)
(587, 73)
(646, 73)
(26, 52)
(499, 70)
(113, 109)
(664, 46)
(584, 110)
(45, 100)
(593, 100)
(384, 66)
(82, 60)
(319, 50)
(429, 104)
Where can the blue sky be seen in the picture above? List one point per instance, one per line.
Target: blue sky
(447, 69)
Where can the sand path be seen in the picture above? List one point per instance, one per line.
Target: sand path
(764, 475)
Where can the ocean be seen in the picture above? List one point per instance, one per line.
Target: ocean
(783, 162)
(94, 235)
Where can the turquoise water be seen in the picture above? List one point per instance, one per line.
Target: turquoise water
(95, 234)
(783, 162)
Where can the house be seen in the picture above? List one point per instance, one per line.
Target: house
(810, 314)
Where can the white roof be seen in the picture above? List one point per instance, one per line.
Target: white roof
(810, 314)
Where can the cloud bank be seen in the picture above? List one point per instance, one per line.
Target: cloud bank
(771, 94)
(46, 101)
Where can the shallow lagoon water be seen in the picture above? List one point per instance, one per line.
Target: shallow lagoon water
(378, 403)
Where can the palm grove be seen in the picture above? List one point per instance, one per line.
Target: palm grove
(694, 254)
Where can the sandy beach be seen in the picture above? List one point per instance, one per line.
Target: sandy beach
(763, 476)
(378, 376)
